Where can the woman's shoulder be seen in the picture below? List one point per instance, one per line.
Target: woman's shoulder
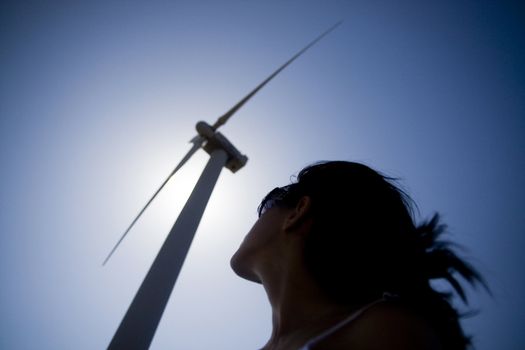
(385, 326)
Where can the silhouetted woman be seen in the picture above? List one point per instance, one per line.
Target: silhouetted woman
(345, 267)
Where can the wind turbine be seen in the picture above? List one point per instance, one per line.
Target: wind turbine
(140, 322)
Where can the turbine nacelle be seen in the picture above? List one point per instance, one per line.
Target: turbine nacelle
(215, 140)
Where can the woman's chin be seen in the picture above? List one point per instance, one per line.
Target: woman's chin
(243, 269)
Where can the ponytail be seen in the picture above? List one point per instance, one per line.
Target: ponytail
(441, 262)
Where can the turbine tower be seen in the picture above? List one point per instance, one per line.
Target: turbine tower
(140, 322)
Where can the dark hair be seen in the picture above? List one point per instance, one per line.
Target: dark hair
(364, 242)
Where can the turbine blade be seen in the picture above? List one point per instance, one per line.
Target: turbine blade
(224, 118)
(197, 142)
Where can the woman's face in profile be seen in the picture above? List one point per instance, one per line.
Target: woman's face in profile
(260, 244)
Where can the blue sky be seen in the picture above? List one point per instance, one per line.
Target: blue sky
(99, 99)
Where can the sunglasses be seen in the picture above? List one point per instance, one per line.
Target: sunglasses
(279, 196)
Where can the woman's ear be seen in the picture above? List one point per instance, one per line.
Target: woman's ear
(298, 215)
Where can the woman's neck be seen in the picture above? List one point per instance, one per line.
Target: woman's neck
(300, 310)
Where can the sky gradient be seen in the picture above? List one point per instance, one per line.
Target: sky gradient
(99, 99)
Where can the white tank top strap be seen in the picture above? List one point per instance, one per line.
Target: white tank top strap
(343, 323)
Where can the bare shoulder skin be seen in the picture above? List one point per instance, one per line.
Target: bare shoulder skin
(385, 326)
